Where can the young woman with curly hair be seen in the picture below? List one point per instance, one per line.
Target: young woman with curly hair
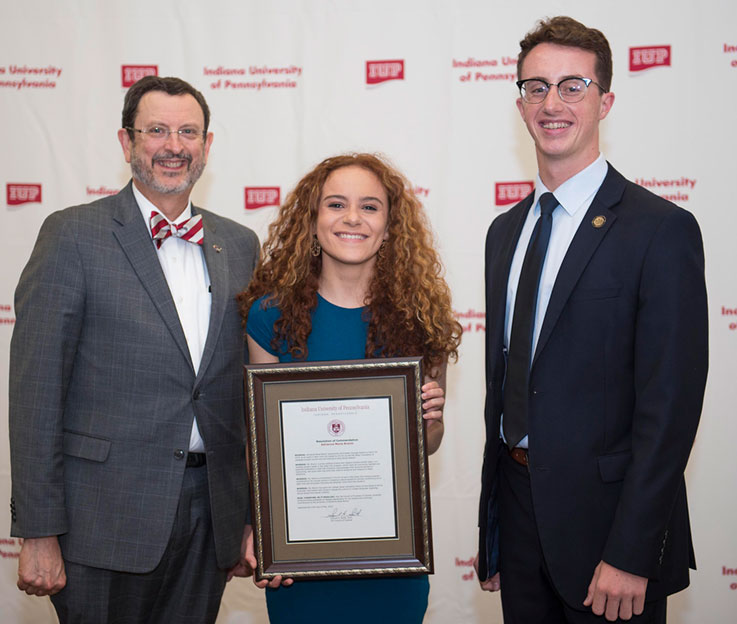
(349, 271)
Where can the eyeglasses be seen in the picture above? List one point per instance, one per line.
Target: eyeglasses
(534, 90)
(161, 133)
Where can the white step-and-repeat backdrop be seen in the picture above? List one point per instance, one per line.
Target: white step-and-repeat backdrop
(429, 83)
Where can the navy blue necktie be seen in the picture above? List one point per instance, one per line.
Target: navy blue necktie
(517, 383)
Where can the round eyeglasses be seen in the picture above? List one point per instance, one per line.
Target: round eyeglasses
(534, 90)
(161, 133)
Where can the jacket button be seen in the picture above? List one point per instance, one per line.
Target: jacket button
(196, 395)
(179, 454)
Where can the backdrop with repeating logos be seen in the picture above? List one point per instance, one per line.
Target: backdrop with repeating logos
(430, 84)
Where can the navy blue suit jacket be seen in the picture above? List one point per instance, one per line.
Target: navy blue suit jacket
(616, 388)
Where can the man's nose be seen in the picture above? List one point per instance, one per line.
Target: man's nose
(174, 138)
(553, 100)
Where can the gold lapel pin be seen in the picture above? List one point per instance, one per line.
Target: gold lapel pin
(219, 249)
(599, 221)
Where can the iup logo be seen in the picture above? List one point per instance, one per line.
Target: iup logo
(23, 194)
(260, 196)
(133, 73)
(381, 71)
(511, 192)
(336, 428)
(649, 56)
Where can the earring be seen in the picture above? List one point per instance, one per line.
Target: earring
(382, 250)
(315, 248)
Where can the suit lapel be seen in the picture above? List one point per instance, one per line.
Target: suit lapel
(507, 239)
(582, 248)
(216, 258)
(132, 234)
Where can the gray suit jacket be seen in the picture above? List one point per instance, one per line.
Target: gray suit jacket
(103, 392)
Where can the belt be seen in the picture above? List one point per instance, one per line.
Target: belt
(519, 455)
(195, 460)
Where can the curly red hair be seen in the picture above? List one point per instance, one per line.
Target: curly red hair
(408, 300)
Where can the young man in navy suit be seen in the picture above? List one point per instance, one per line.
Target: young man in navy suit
(596, 361)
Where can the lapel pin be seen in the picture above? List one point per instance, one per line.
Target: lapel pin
(219, 249)
(599, 221)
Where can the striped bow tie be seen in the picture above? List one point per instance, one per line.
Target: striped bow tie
(189, 230)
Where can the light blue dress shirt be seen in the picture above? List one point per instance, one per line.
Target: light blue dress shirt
(574, 196)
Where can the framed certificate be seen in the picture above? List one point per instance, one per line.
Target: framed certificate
(339, 478)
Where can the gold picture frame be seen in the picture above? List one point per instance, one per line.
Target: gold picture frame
(339, 474)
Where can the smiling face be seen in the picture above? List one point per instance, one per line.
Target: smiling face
(352, 218)
(168, 168)
(566, 135)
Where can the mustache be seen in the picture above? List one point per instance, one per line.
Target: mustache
(167, 154)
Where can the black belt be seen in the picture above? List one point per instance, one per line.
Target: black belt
(195, 460)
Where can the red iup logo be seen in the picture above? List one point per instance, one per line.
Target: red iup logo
(260, 196)
(649, 56)
(381, 71)
(133, 73)
(511, 192)
(23, 194)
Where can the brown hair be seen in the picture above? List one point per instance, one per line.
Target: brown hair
(169, 85)
(566, 31)
(408, 302)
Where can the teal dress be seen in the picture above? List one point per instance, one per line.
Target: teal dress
(337, 334)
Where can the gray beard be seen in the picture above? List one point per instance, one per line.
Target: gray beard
(145, 175)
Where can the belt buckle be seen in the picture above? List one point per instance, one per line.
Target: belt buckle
(195, 460)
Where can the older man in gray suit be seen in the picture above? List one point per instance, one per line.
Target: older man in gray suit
(126, 397)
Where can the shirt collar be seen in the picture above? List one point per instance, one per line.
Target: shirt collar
(147, 207)
(575, 191)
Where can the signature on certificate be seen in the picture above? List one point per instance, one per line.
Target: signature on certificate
(344, 514)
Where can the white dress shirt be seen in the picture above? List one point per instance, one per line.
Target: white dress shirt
(574, 196)
(186, 273)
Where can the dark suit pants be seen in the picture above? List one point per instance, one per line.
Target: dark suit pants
(528, 593)
(186, 586)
